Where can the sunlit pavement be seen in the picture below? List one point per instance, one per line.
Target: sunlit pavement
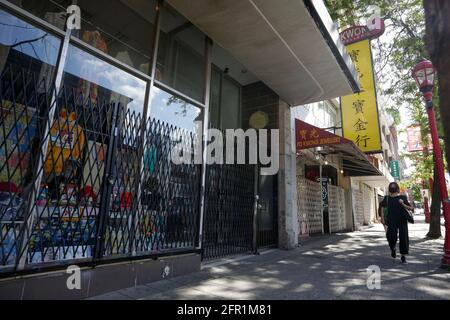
(332, 267)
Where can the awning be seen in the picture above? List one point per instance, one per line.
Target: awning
(293, 46)
(355, 162)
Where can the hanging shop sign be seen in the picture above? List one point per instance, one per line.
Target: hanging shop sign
(308, 136)
(414, 135)
(374, 29)
(360, 119)
(395, 169)
(359, 33)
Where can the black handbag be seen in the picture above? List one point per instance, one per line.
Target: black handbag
(408, 216)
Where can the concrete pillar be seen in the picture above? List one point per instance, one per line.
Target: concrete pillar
(288, 228)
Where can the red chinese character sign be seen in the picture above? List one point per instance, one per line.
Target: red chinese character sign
(308, 136)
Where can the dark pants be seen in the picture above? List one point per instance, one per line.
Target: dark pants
(398, 229)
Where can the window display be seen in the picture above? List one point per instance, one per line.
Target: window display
(123, 29)
(27, 64)
(67, 210)
(52, 11)
(61, 154)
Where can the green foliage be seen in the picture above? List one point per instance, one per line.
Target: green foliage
(394, 58)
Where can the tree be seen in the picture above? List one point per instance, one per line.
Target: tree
(435, 211)
(437, 20)
(405, 28)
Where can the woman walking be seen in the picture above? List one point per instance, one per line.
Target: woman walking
(395, 221)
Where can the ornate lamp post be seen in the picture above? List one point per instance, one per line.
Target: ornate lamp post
(424, 74)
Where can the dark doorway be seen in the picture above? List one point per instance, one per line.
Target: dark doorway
(268, 211)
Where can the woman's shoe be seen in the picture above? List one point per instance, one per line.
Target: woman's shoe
(403, 258)
(393, 254)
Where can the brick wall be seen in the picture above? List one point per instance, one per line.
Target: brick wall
(258, 97)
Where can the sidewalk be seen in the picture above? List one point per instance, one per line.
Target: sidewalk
(331, 267)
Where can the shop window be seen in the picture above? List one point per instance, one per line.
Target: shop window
(95, 98)
(230, 104)
(170, 191)
(52, 11)
(225, 106)
(122, 29)
(173, 111)
(181, 61)
(214, 107)
(28, 57)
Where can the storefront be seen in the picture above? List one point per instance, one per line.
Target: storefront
(97, 184)
(91, 116)
(328, 201)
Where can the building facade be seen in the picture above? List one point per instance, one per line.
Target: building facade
(348, 197)
(92, 114)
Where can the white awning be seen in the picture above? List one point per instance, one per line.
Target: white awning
(375, 181)
(291, 45)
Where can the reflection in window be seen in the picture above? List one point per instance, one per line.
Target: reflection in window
(214, 107)
(225, 107)
(122, 29)
(231, 104)
(27, 64)
(181, 61)
(174, 111)
(67, 208)
(23, 46)
(92, 78)
(52, 11)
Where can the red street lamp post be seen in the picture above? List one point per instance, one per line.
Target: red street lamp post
(424, 74)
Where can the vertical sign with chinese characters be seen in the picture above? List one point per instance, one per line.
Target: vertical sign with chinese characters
(324, 183)
(359, 111)
(395, 169)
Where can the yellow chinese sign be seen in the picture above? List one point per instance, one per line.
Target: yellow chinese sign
(359, 111)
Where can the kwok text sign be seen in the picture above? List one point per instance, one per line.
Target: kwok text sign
(359, 111)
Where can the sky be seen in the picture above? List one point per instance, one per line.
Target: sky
(406, 121)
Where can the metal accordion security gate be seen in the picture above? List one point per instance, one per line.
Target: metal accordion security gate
(310, 211)
(229, 210)
(336, 201)
(87, 180)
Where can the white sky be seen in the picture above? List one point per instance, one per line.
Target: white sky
(406, 121)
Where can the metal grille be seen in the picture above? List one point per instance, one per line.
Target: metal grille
(309, 206)
(336, 207)
(369, 208)
(109, 188)
(358, 208)
(63, 219)
(267, 238)
(122, 184)
(170, 194)
(228, 227)
(22, 112)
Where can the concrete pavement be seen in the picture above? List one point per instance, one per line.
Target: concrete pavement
(330, 267)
